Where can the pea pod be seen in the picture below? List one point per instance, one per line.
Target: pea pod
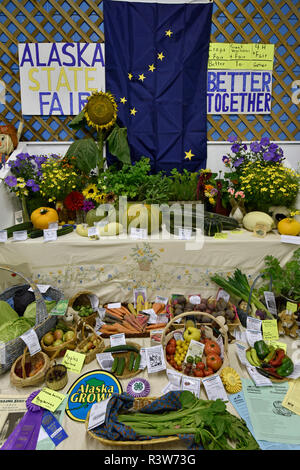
(137, 363)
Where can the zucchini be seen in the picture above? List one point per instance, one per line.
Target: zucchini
(122, 348)
(228, 223)
(137, 362)
(35, 233)
(18, 227)
(131, 361)
(121, 366)
(115, 364)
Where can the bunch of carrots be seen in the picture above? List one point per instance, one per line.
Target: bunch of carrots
(130, 321)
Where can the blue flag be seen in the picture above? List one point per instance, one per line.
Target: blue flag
(156, 56)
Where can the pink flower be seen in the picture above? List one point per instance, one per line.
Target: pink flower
(231, 191)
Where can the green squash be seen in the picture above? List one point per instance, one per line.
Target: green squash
(212, 226)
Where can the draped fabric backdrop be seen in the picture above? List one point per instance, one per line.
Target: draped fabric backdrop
(156, 57)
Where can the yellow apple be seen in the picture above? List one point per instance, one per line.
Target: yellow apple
(192, 333)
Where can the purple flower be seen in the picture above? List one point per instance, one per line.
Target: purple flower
(10, 181)
(268, 156)
(225, 159)
(88, 205)
(245, 147)
(40, 160)
(30, 183)
(273, 147)
(235, 148)
(238, 162)
(35, 187)
(265, 141)
(232, 138)
(255, 147)
(23, 156)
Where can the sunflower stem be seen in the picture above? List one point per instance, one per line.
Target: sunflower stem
(100, 147)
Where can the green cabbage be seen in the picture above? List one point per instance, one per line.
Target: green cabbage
(30, 312)
(14, 329)
(7, 313)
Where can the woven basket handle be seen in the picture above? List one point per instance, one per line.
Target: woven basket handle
(41, 309)
(188, 314)
(86, 325)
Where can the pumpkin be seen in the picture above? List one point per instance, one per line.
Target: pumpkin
(255, 217)
(43, 216)
(289, 226)
(212, 226)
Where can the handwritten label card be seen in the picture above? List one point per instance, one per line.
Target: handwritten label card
(73, 360)
(48, 399)
(270, 330)
(3, 236)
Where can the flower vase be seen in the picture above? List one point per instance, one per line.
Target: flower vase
(238, 210)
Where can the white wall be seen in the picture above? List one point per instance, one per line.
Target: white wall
(215, 151)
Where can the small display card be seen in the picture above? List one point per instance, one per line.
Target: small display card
(241, 353)
(258, 379)
(20, 236)
(253, 324)
(192, 384)
(155, 359)
(50, 234)
(31, 340)
(252, 336)
(138, 233)
(73, 360)
(3, 236)
(214, 388)
(270, 302)
(105, 360)
(184, 233)
(98, 413)
(270, 330)
(48, 399)
(117, 340)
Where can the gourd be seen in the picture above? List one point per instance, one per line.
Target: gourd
(289, 226)
(92, 217)
(252, 218)
(110, 229)
(228, 223)
(18, 227)
(43, 216)
(81, 230)
(140, 215)
(212, 226)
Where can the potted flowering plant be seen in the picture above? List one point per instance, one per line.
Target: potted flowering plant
(259, 172)
(212, 192)
(237, 203)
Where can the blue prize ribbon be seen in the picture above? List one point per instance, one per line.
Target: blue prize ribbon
(53, 428)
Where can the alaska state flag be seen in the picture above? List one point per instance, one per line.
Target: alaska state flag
(156, 55)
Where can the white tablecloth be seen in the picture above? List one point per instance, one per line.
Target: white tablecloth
(112, 268)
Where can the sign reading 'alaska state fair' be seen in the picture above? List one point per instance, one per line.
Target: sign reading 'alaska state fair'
(57, 78)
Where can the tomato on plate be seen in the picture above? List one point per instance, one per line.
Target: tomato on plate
(200, 365)
(198, 372)
(208, 371)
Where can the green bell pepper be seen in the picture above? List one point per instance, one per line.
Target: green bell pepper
(261, 348)
(286, 367)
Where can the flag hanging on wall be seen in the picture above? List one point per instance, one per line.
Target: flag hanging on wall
(156, 55)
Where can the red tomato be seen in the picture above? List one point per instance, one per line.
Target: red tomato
(198, 373)
(170, 349)
(214, 361)
(208, 371)
(200, 365)
(172, 341)
(211, 346)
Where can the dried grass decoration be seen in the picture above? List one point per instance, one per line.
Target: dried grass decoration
(28, 371)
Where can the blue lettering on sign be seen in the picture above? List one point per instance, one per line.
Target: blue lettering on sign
(80, 50)
(98, 50)
(82, 100)
(266, 80)
(26, 57)
(54, 56)
(234, 102)
(254, 81)
(225, 107)
(211, 81)
(37, 55)
(65, 52)
(42, 102)
(55, 101)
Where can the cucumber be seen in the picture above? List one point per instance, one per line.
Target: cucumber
(228, 223)
(131, 361)
(121, 348)
(35, 233)
(121, 366)
(137, 363)
(18, 227)
(115, 364)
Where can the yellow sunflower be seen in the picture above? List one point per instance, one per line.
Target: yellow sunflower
(90, 192)
(100, 110)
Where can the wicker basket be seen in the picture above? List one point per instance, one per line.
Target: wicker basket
(59, 351)
(11, 350)
(138, 404)
(167, 335)
(27, 381)
(82, 298)
(91, 354)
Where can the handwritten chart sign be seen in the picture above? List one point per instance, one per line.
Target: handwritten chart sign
(234, 56)
(57, 78)
(239, 78)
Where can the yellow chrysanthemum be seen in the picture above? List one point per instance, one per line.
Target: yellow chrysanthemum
(100, 110)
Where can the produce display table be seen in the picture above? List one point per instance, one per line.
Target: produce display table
(112, 268)
(79, 439)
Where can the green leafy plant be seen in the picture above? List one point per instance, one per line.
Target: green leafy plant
(155, 189)
(285, 279)
(125, 181)
(183, 186)
(208, 420)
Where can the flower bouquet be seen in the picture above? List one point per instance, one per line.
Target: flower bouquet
(212, 192)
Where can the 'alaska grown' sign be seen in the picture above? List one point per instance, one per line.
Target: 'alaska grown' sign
(57, 78)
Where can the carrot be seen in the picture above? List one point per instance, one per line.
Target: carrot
(158, 307)
(129, 327)
(125, 310)
(155, 325)
(114, 313)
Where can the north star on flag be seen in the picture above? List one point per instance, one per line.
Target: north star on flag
(156, 56)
